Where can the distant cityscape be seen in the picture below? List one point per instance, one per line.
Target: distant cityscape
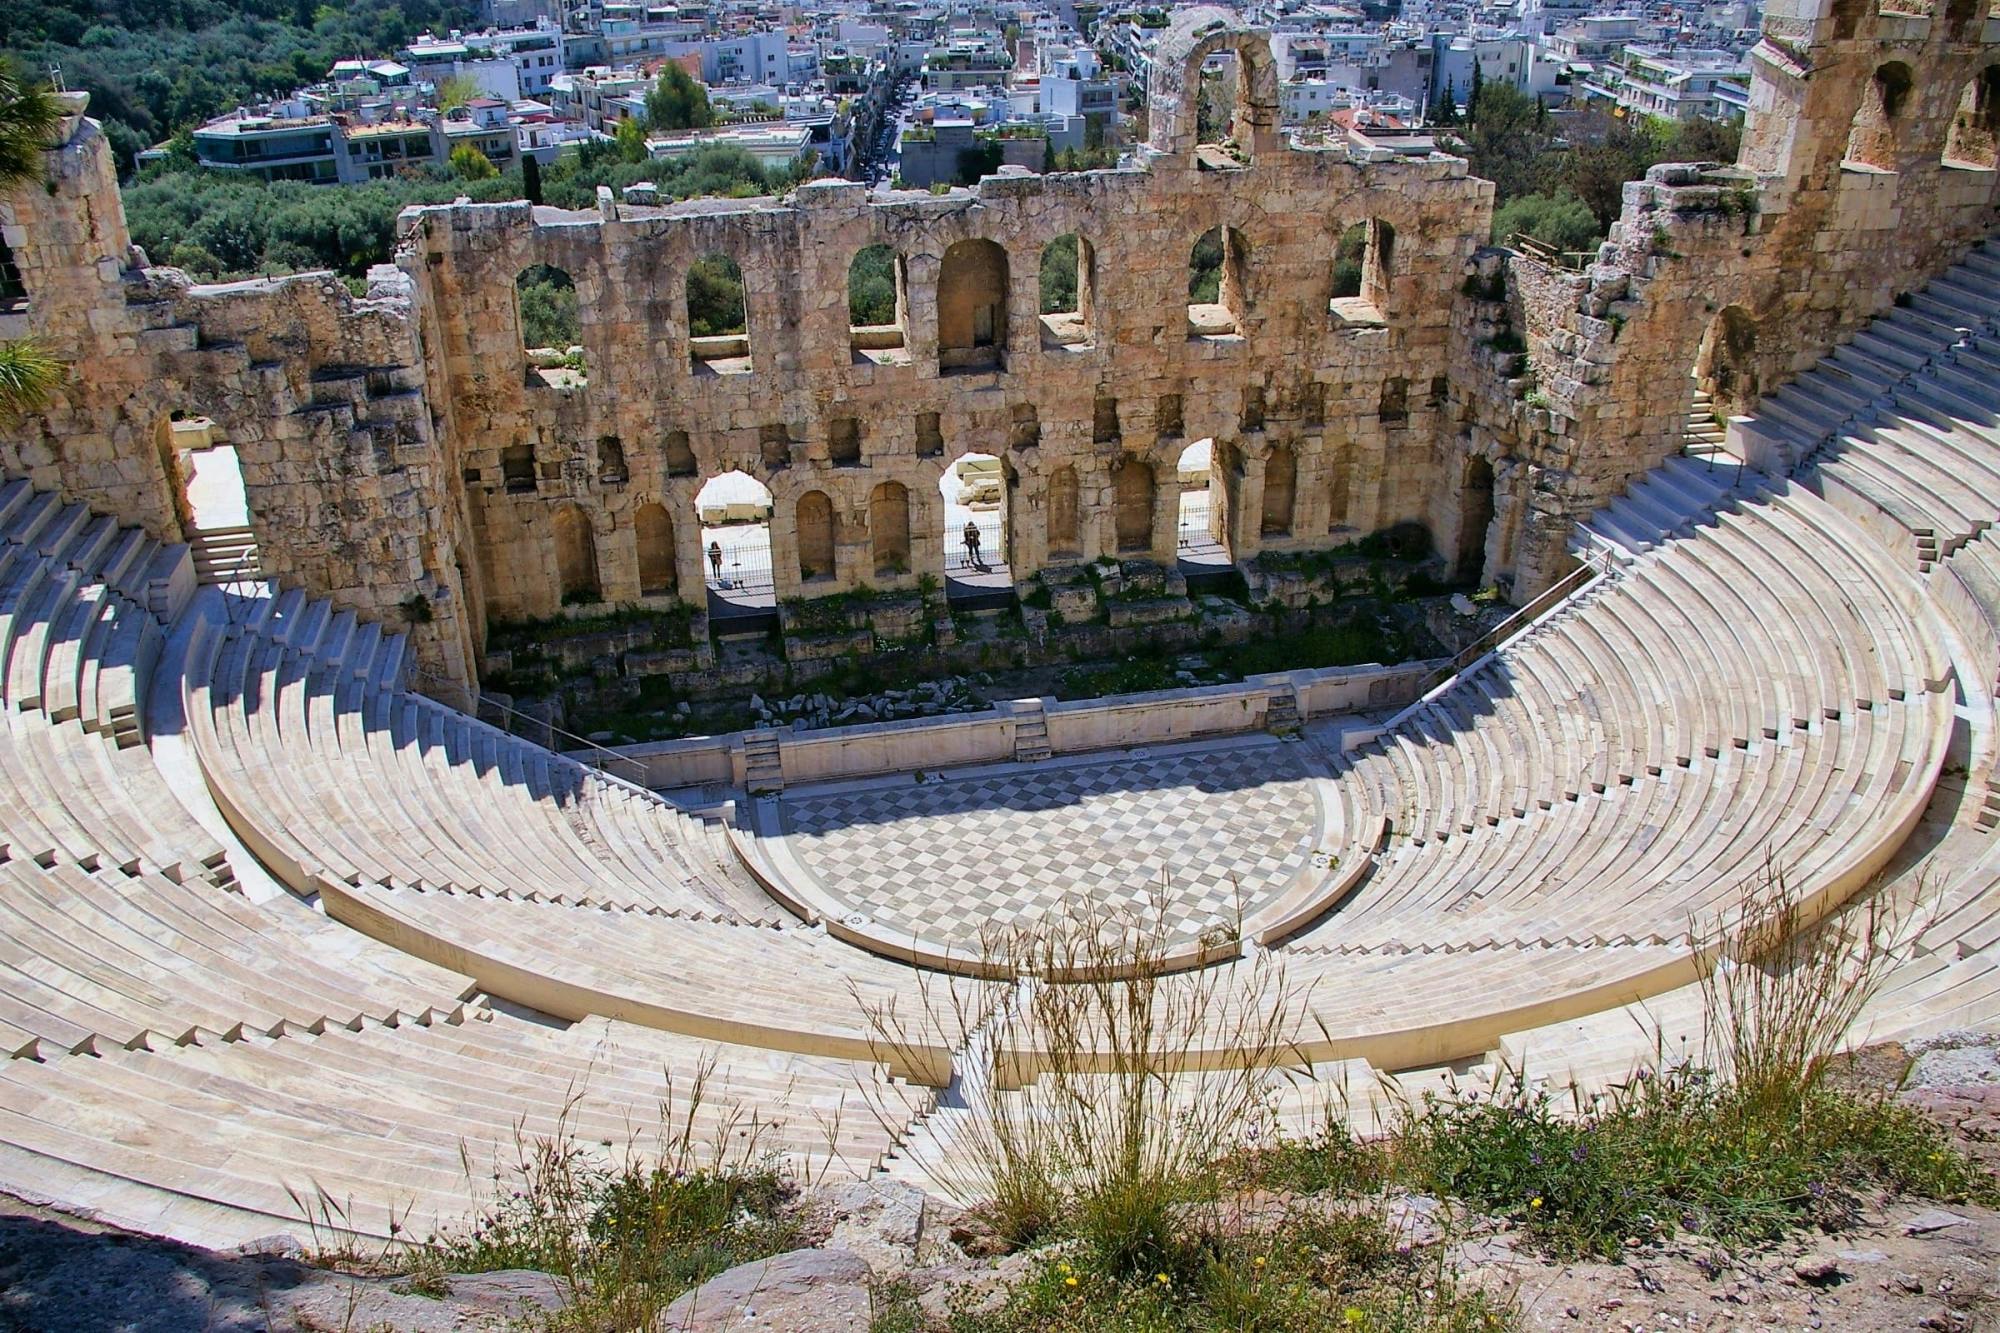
(920, 96)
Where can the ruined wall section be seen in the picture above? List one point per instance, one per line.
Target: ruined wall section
(321, 393)
(1844, 198)
(1354, 395)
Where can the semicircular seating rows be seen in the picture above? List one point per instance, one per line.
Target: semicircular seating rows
(470, 936)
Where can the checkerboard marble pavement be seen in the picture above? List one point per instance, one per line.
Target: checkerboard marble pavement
(951, 859)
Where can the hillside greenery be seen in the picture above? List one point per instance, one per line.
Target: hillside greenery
(218, 226)
(155, 67)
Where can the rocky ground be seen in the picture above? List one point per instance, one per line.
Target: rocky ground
(1907, 1265)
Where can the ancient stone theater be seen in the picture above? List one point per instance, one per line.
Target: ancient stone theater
(286, 915)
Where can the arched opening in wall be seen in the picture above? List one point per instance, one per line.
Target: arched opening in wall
(878, 308)
(1725, 382)
(718, 317)
(653, 533)
(1281, 480)
(1065, 514)
(1475, 516)
(819, 540)
(1363, 264)
(889, 529)
(1218, 266)
(1066, 290)
(1132, 488)
(1222, 119)
(975, 491)
(734, 510)
(576, 556)
(1876, 138)
(972, 308)
(1974, 137)
(1202, 537)
(213, 501)
(551, 324)
(13, 290)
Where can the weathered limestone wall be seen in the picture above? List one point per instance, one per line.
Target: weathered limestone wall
(1749, 274)
(321, 393)
(1350, 396)
(403, 445)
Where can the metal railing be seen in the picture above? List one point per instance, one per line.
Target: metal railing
(600, 755)
(742, 571)
(1591, 565)
(1194, 529)
(992, 545)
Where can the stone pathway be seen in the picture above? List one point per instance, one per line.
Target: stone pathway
(1221, 827)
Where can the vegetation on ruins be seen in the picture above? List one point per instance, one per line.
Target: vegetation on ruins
(871, 287)
(1510, 139)
(157, 67)
(30, 117)
(548, 308)
(220, 226)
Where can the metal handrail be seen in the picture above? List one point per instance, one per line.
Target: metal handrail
(483, 700)
(1557, 592)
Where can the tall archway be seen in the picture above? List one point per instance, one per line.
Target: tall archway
(817, 540)
(1876, 138)
(1202, 531)
(1974, 137)
(1132, 488)
(972, 307)
(1066, 291)
(889, 529)
(976, 492)
(1281, 479)
(576, 556)
(550, 321)
(1475, 516)
(878, 306)
(1218, 272)
(653, 534)
(718, 316)
(734, 511)
(1725, 368)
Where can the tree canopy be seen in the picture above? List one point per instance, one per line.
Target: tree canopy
(678, 101)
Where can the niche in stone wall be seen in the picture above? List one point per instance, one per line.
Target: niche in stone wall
(1393, 408)
(611, 460)
(1252, 416)
(1475, 516)
(1725, 369)
(815, 521)
(1064, 513)
(653, 534)
(517, 466)
(1281, 480)
(843, 441)
(1974, 137)
(972, 307)
(1218, 268)
(1312, 404)
(1167, 419)
(681, 461)
(575, 556)
(930, 435)
(551, 325)
(1132, 504)
(774, 445)
(1363, 264)
(1104, 420)
(1066, 276)
(13, 291)
(718, 317)
(1876, 138)
(878, 307)
(1024, 428)
(889, 528)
